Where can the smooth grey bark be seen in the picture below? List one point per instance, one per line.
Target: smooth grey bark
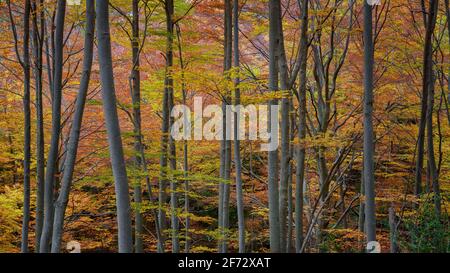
(368, 146)
(290, 210)
(274, 219)
(187, 223)
(447, 12)
(237, 144)
(162, 194)
(27, 130)
(362, 205)
(24, 61)
(48, 53)
(136, 100)
(301, 151)
(125, 239)
(165, 145)
(72, 147)
(225, 145)
(433, 172)
(52, 158)
(169, 9)
(37, 35)
(290, 202)
(285, 134)
(430, 22)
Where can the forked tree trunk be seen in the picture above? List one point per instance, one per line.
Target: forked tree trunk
(24, 60)
(52, 159)
(72, 147)
(38, 43)
(430, 22)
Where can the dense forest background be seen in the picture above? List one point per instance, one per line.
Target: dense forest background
(86, 91)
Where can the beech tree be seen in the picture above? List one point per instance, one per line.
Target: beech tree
(358, 129)
(37, 35)
(72, 147)
(225, 145)
(113, 128)
(301, 151)
(24, 60)
(237, 146)
(52, 158)
(369, 180)
(274, 36)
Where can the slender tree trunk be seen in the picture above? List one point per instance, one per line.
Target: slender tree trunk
(225, 156)
(24, 61)
(113, 129)
(72, 147)
(301, 151)
(52, 159)
(185, 149)
(369, 180)
(49, 52)
(136, 100)
(427, 78)
(38, 42)
(163, 180)
(274, 219)
(362, 205)
(237, 145)
(292, 151)
(433, 172)
(285, 136)
(447, 12)
(169, 8)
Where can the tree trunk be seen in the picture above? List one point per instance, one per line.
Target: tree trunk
(225, 156)
(433, 172)
(301, 151)
(136, 100)
(169, 8)
(24, 61)
(369, 180)
(237, 146)
(274, 213)
(185, 149)
(447, 12)
(52, 159)
(362, 205)
(427, 78)
(113, 129)
(285, 134)
(72, 147)
(38, 42)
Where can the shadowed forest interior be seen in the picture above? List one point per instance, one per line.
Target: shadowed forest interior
(89, 160)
